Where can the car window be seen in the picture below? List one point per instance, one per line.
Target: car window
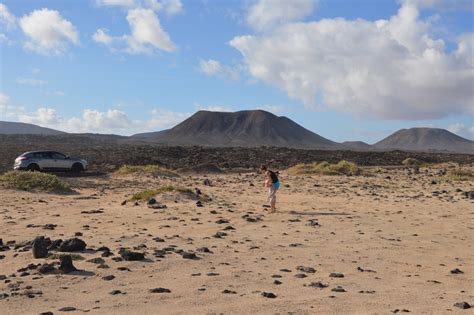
(45, 155)
(57, 155)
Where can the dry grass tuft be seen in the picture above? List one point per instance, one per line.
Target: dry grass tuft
(326, 168)
(34, 181)
(145, 169)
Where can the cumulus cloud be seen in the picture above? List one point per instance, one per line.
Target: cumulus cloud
(147, 33)
(163, 119)
(6, 18)
(462, 129)
(120, 3)
(101, 36)
(391, 69)
(213, 108)
(169, 7)
(443, 4)
(48, 32)
(215, 68)
(265, 14)
(31, 81)
(147, 36)
(93, 121)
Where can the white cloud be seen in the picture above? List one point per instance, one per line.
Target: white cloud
(215, 68)
(163, 119)
(265, 14)
(392, 69)
(30, 81)
(121, 3)
(48, 32)
(462, 129)
(42, 116)
(443, 4)
(147, 35)
(6, 18)
(169, 7)
(101, 36)
(95, 121)
(7, 110)
(275, 109)
(213, 108)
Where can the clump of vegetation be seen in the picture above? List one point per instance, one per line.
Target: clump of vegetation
(73, 256)
(326, 168)
(459, 174)
(411, 162)
(145, 169)
(149, 193)
(34, 181)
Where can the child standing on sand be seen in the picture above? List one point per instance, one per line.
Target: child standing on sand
(273, 184)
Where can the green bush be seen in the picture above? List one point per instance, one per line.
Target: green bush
(459, 174)
(325, 168)
(145, 169)
(34, 181)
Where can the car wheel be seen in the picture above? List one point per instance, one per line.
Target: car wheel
(77, 168)
(33, 168)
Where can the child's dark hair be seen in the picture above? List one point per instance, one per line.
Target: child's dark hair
(263, 168)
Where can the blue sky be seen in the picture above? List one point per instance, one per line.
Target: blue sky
(347, 70)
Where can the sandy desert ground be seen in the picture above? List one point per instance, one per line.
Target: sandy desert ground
(380, 244)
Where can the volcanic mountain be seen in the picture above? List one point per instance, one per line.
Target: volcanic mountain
(10, 128)
(426, 139)
(250, 128)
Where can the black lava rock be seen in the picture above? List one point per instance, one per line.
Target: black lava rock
(462, 305)
(160, 290)
(269, 295)
(66, 265)
(72, 245)
(131, 256)
(39, 247)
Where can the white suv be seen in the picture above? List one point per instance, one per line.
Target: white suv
(49, 161)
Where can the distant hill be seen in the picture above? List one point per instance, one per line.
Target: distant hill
(357, 146)
(426, 139)
(10, 128)
(250, 128)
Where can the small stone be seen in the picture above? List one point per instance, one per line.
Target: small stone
(160, 290)
(306, 269)
(46, 268)
(115, 292)
(319, 285)
(108, 278)
(227, 291)
(462, 305)
(67, 309)
(336, 275)
(269, 295)
(338, 289)
(189, 255)
(457, 271)
(96, 260)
